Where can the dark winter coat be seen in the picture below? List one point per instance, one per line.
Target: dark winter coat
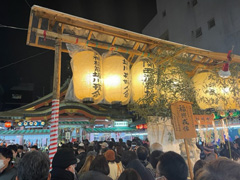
(142, 171)
(94, 175)
(9, 173)
(61, 174)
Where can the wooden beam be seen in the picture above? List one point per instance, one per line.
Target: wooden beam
(114, 40)
(39, 27)
(130, 57)
(29, 27)
(89, 35)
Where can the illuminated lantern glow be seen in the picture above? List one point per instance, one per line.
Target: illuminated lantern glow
(141, 126)
(87, 83)
(31, 123)
(215, 92)
(143, 79)
(8, 124)
(145, 126)
(116, 79)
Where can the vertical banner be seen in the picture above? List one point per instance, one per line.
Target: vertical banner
(54, 130)
(182, 120)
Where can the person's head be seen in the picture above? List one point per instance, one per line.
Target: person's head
(110, 155)
(104, 145)
(34, 148)
(100, 164)
(172, 166)
(119, 150)
(127, 157)
(156, 146)
(34, 166)
(13, 148)
(198, 165)
(80, 149)
(220, 169)
(129, 174)
(154, 158)
(6, 156)
(142, 153)
(120, 140)
(87, 164)
(65, 159)
(20, 149)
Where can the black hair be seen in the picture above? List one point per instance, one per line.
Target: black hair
(100, 164)
(154, 158)
(142, 153)
(20, 147)
(34, 165)
(198, 165)
(129, 174)
(127, 157)
(34, 147)
(7, 153)
(220, 169)
(12, 147)
(173, 166)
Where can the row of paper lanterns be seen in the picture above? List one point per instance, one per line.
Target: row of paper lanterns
(31, 123)
(108, 79)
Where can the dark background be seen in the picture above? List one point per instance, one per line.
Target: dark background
(17, 66)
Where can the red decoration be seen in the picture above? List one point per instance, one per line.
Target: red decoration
(8, 124)
(141, 126)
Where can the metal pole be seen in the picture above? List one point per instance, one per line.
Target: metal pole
(55, 101)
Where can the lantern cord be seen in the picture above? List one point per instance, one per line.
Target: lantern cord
(12, 27)
(24, 59)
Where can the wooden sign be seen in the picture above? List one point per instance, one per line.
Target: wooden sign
(204, 119)
(182, 120)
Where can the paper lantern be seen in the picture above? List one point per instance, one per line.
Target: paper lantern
(143, 79)
(116, 79)
(87, 83)
(8, 124)
(215, 92)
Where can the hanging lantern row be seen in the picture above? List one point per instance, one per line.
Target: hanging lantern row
(107, 78)
(32, 123)
(141, 126)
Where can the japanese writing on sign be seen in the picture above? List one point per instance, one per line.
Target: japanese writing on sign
(204, 119)
(96, 77)
(182, 120)
(148, 78)
(126, 77)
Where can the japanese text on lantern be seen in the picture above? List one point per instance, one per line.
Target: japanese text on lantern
(182, 120)
(125, 78)
(96, 77)
(148, 78)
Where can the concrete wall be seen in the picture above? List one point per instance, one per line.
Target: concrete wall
(182, 19)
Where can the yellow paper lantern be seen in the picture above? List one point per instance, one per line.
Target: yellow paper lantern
(143, 79)
(215, 92)
(116, 77)
(87, 82)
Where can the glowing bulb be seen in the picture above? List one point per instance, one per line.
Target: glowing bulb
(112, 80)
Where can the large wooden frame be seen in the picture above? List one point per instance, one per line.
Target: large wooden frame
(46, 25)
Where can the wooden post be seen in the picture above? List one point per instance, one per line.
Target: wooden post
(188, 159)
(55, 101)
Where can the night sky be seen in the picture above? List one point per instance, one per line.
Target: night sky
(131, 15)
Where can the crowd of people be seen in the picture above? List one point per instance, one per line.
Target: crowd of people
(110, 160)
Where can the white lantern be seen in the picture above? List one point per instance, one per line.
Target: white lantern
(87, 82)
(116, 78)
(143, 79)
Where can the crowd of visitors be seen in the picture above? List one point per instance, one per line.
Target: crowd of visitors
(110, 160)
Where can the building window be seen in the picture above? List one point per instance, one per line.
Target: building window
(198, 32)
(165, 35)
(164, 13)
(211, 23)
(194, 2)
